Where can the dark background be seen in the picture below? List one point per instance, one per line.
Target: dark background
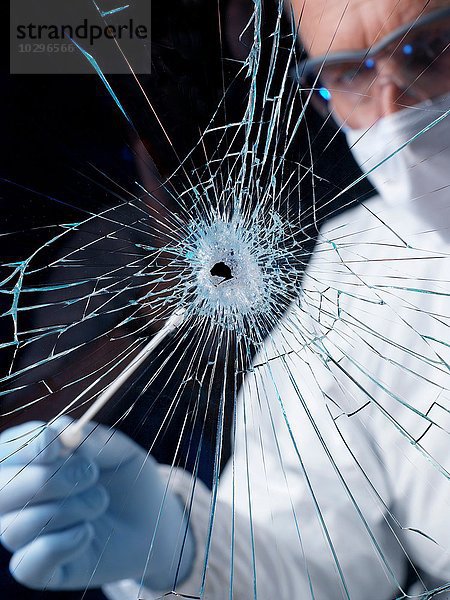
(58, 132)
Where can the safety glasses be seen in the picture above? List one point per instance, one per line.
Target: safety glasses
(415, 57)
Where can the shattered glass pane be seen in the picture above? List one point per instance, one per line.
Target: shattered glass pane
(300, 398)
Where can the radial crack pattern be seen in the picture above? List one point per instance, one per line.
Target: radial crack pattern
(307, 379)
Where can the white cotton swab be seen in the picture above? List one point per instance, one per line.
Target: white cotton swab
(72, 436)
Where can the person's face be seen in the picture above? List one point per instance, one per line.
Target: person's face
(330, 26)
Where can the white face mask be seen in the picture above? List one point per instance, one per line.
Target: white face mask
(418, 175)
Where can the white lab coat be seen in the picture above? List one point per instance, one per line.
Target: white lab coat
(328, 492)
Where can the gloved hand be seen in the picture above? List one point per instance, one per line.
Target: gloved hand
(99, 515)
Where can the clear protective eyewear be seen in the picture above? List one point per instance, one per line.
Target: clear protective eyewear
(415, 56)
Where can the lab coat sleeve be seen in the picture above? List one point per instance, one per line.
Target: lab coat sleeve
(218, 574)
(284, 525)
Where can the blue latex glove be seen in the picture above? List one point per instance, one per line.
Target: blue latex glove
(88, 518)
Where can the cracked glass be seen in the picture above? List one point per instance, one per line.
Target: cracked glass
(258, 311)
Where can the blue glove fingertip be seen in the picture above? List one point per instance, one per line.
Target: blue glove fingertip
(40, 564)
(96, 498)
(81, 471)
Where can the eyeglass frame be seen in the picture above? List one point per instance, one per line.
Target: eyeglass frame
(309, 65)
